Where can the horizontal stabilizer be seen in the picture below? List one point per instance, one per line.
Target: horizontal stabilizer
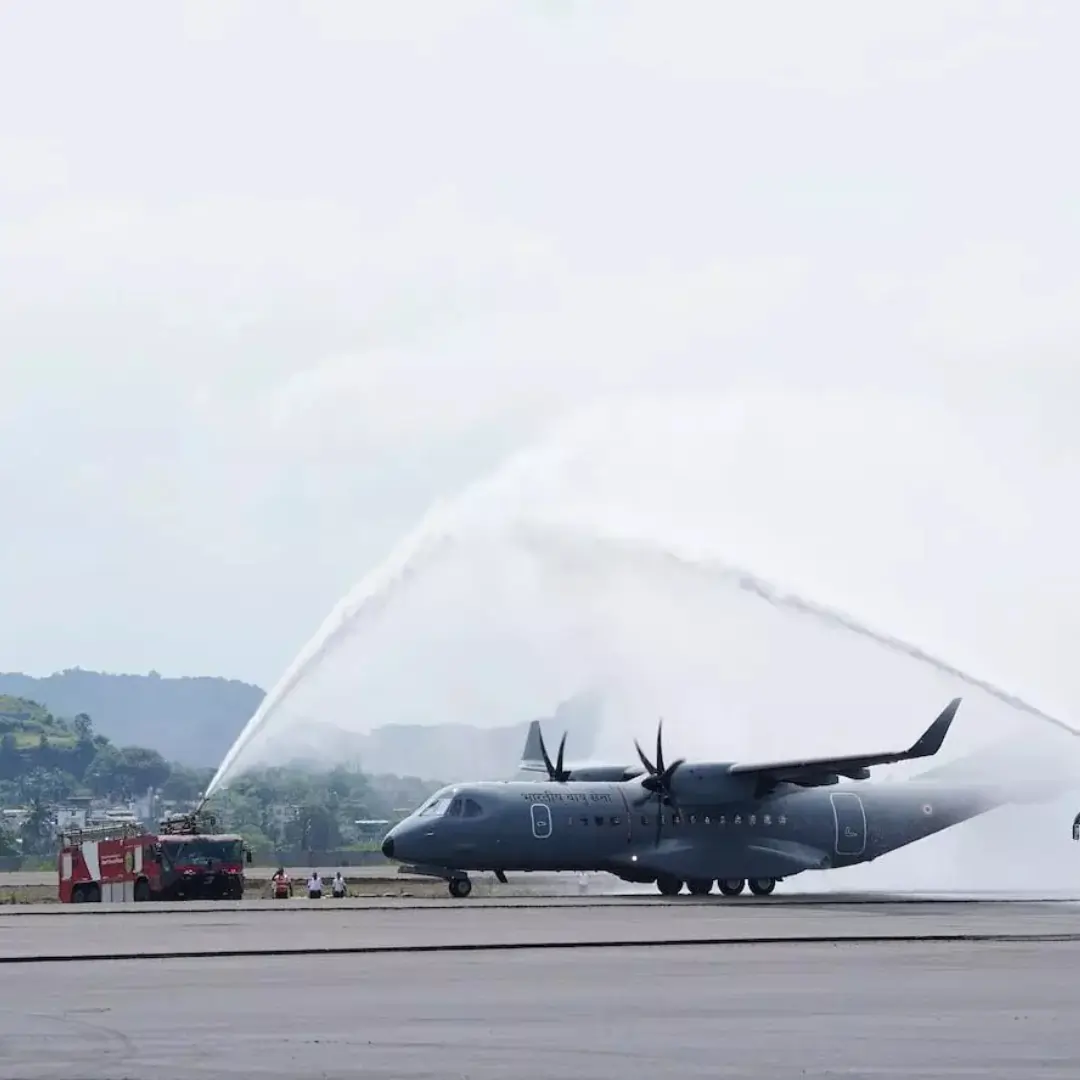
(810, 771)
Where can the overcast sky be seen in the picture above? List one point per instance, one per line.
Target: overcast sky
(273, 276)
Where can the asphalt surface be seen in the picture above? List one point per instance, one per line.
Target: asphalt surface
(257, 873)
(909, 1012)
(111, 931)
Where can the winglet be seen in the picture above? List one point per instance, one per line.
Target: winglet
(532, 757)
(930, 741)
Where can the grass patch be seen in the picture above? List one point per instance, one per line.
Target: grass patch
(27, 740)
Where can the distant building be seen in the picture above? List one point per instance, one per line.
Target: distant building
(71, 817)
(369, 828)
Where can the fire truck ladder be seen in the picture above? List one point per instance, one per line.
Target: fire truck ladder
(116, 830)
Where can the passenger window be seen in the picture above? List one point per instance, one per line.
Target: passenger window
(584, 820)
(614, 821)
(599, 820)
(693, 819)
(644, 819)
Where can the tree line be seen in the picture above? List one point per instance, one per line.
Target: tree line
(45, 760)
(301, 809)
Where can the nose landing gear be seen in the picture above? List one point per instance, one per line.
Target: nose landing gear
(460, 887)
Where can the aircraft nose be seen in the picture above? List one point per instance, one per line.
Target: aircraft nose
(388, 846)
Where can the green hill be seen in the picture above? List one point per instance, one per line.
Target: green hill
(193, 721)
(28, 721)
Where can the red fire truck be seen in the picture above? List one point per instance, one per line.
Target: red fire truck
(123, 862)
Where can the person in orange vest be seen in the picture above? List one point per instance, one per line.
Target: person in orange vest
(281, 884)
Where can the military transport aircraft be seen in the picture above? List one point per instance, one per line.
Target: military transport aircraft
(735, 824)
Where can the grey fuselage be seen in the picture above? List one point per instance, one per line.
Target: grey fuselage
(612, 826)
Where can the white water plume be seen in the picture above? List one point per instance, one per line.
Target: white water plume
(692, 559)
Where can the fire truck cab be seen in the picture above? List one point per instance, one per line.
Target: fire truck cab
(123, 862)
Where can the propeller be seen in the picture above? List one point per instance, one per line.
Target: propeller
(555, 772)
(658, 782)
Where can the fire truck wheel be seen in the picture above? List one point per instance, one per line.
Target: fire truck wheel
(142, 891)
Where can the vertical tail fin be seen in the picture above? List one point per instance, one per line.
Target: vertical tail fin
(532, 757)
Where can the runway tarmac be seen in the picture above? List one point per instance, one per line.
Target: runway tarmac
(910, 1012)
(118, 931)
(262, 874)
(856, 986)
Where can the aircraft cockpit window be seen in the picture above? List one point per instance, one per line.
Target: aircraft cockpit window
(435, 808)
(455, 808)
(472, 808)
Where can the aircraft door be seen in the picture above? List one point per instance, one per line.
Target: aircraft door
(850, 817)
(541, 820)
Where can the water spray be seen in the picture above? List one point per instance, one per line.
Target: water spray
(508, 508)
(714, 571)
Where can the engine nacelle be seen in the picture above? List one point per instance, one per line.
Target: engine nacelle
(603, 773)
(702, 785)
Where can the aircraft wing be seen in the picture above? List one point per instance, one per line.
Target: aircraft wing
(811, 772)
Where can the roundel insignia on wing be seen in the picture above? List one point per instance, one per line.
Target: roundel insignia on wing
(927, 809)
(129, 861)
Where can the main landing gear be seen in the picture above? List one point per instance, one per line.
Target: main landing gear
(669, 886)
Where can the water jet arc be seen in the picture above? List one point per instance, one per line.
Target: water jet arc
(639, 552)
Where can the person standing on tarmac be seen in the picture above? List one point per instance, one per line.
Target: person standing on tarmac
(281, 885)
(337, 886)
(314, 886)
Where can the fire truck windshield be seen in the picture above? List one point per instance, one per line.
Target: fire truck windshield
(201, 851)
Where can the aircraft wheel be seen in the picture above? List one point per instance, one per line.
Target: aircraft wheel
(762, 886)
(669, 886)
(731, 886)
(460, 887)
(699, 888)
